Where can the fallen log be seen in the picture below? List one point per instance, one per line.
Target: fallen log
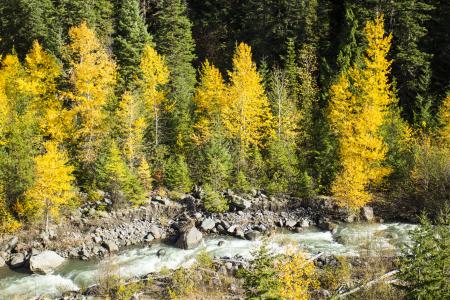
(368, 284)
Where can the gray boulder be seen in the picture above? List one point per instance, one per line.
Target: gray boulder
(291, 223)
(252, 235)
(367, 213)
(239, 202)
(208, 224)
(45, 262)
(190, 239)
(155, 231)
(2, 262)
(17, 260)
(111, 246)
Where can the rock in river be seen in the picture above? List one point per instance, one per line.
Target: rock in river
(190, 239)
(45, 262)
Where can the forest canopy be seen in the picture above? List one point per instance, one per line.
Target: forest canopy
(125, 97)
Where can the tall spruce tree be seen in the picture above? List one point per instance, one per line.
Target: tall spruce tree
(23, 21)
(129, 40)
(173, 37)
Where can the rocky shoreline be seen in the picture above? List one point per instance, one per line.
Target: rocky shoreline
(95, 230)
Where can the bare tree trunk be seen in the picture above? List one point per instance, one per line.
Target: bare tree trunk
(369, 284)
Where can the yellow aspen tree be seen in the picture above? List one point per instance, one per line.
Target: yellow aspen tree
(4, 107)
(360, 102)
(144, 174)
(445, 120)
(53, 184)
(297, 276)
(155, 75)
(247, 117)
(93, 76)
(132, 125)
(210, 101)
(40, 83)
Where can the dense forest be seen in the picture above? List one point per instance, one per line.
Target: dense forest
(342, 98)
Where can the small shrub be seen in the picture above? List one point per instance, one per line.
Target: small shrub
(177, 174)
(183, 284)
(214, 201)
(333, 276)
(204, 260)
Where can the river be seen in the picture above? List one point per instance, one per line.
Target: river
(348, 240)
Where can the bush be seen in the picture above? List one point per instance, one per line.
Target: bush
(425, 265)
(260, 280)
(427, 186)
(177, 174)
(214, 201)
(333, 276)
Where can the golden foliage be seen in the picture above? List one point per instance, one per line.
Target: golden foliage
(7, 222)
(132, 125)
(52, 188)
(360, 102)
(297, 276)
(93, 76)
(247, 118)
(445, 120)
(40, 82)
(155, 75)
(211, 100)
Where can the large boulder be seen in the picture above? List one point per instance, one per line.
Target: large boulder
(239, 202)
(208, 224)
(17, 260)
(190, 239)
(111, 246)
(155, 231)
(252, 235)
(45, 262)
(367, 213)
(2, 262)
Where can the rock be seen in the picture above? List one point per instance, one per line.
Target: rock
(2, 262)
(291, 223)
(328, 226)
(367, 213)
(45, 262)
(97, 239)
(12, 242)
(110, 246)
(208, 224)
(155, 231)
(34, 251)
(240, 233)
(190, 239)
(232, 229)
(304, 223)
(220, 243)
(102, 214)
(239, 202)
(252, 235)
(17, 260)
(228, 265)
(149, 237)
(161, 252)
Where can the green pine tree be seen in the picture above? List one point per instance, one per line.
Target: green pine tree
(122, 185)
(425, 265)
(177, 176)
(173, 38)
(24, 21)
(129, 40)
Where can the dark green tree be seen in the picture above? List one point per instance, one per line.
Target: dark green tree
(130, 37)
(24, 21)
(173, 38)
(425, 265)
(97, 13)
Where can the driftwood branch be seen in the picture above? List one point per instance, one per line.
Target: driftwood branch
(369, 284)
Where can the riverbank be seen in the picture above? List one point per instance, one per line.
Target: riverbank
(97, 230)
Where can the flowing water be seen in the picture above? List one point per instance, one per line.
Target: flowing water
(349, 240)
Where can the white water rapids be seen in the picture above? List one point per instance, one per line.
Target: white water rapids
(349, 240)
